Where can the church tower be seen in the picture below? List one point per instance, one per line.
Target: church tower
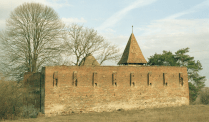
(132, 54)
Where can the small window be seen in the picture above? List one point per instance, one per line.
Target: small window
(150, 84)
(95, 84)
(115, 84)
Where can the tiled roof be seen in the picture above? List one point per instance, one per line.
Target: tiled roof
(89, 60)
(132, 53)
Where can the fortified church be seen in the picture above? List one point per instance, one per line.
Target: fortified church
(91, 87)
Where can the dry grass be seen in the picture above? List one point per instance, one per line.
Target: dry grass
(191, 113)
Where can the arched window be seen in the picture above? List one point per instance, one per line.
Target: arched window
(55, 79)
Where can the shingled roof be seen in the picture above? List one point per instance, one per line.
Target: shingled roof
(89, 60)
(132, 53)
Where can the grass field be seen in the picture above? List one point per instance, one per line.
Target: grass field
(191, 113)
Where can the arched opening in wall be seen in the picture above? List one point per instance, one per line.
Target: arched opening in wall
(55, 78)
(150, 84)
(133, 84)
(53, 82)
(132, 79)
(163, 78)
(76, 82)
(114, 78)
(181, 82)
(94, 81)
(56, 82)
(115, 83)
(166, 84)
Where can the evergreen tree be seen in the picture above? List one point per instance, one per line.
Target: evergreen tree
(181, 58)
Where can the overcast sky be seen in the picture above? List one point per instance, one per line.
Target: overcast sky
(158, 24)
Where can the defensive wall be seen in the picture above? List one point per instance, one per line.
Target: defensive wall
(67, 89)
(91, 87)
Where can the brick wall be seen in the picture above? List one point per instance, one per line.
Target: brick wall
(107, 88)
(32, 86)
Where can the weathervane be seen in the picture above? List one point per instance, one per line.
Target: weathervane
(132, 28)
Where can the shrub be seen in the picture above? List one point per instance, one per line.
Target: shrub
(193, 92)
(11, 99)
(204, 96)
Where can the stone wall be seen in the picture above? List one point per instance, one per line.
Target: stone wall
(106, 88)
(32, 93)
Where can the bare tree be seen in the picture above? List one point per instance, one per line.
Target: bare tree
(109, 52)
(31, 39)
(81, 42)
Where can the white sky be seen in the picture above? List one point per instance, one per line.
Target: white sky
(158, 24)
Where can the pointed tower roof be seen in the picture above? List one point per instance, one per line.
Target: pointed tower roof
(89, 60)
(132, 53)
